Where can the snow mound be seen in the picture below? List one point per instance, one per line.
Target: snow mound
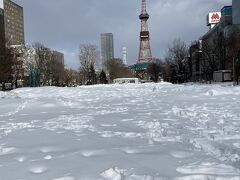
(9, 95)
(209, 168)
(120, 174)
(38, 169)
(114, 174)
(223, 91)
(205, 177)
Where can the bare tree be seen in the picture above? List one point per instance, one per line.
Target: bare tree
(71, 77)
(211, 56)
(88, 55)
(117, 69)
(177, 54)
(29, 59)
(43, 58)
(50, 64)
(154, 69)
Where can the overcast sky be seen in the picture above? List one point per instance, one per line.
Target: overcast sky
(65, 24)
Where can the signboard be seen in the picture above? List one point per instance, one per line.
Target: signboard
(1, 4)
(213, 18)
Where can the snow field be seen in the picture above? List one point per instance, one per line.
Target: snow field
(117, 132)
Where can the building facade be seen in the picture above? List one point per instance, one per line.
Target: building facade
(212, 56)
(11, 36)
(107, 47)
(13, 23)
(236, 11)
(2, 34)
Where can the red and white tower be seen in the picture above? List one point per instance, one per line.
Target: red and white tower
(145, 54)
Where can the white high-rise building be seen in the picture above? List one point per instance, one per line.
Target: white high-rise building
(124, 52)
(107, 47)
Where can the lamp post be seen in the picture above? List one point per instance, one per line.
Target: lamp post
(234, 78)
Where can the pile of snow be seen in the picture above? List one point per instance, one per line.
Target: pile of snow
(8, 95)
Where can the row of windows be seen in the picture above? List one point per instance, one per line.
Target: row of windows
(12, 18)
(8, 16)
(20, 34)
(16, 34)
(13, 12)
(12, 30)
(14, 25)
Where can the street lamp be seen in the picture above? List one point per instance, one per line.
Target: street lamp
(234, 78)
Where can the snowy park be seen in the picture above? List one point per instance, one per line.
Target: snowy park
(121, 132)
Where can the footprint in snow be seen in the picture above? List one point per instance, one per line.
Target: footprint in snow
(180, 154)
(48, 149)
(126, 120)
(91, 153)
(128, 150)
(65, 178)
(38, 169)
(48, 157)
(21, 159)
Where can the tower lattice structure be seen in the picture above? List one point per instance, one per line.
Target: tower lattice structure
(145, 54)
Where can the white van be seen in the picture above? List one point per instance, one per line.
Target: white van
(126, 81)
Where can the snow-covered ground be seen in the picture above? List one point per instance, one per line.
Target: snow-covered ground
(121, 132)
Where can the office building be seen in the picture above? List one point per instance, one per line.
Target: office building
(107, 47)
(11, 36)
(13, 24)
(2, 33)
(212, 58)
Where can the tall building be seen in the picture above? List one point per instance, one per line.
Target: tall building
(11, 35)
(58, 56)
(145, 54)
(2, 32)
(124, 53)
(13, 23)
(107, 47)
(236, 11)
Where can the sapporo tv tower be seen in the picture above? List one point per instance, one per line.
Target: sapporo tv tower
(145, 54)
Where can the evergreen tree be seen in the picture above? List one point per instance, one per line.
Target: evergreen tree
(103, 77)
(92, 77)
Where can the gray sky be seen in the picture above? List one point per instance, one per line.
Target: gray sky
(65, 24)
